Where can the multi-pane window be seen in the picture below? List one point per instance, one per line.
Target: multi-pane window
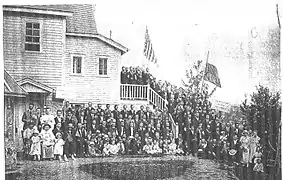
(77, 64)
(102, 66)
(32, 38)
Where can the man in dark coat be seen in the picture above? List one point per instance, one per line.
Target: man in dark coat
(123, 76)
(28, 116)
(87, 116)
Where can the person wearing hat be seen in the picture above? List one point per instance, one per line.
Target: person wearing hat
(59, 146)
(35, 146)
(48, 139)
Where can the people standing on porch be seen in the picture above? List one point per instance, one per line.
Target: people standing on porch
(48, 118)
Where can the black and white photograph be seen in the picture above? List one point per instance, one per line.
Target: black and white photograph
(141, 90)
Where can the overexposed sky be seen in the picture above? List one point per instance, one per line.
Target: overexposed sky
(183, 31)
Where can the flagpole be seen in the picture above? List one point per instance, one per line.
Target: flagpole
(204, 71)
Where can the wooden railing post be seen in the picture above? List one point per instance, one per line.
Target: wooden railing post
(148, 93)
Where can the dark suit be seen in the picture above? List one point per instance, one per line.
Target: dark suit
(81, 144)
(27, 118)
(124, 113)
(70, 142)
(87, 117)
(236, 145)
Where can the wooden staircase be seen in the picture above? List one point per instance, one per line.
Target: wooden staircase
(145, 95)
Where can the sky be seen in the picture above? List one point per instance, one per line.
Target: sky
(184, 31)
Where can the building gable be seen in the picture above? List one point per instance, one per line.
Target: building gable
(30, 85)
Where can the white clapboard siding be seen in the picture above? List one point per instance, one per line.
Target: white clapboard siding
(44, 66)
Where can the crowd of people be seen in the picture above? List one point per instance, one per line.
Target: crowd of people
(139, 76)
(91, 132)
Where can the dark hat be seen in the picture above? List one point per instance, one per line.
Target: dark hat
(46, 125)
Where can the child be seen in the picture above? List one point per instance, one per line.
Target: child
(172, 147)
(165, 147)
(35, 146)
(92, 149)
(156, 149)
(106, 149)
(113, 149)
(59, 146)
(121, 147)
(258, 165)
(202, 148)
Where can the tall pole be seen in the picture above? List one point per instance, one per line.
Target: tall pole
(204, 71)
(278, 16)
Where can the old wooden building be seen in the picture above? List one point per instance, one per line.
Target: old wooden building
(55, 53)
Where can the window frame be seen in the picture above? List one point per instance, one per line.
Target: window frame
(25, 35)
(107, 65)
(82, 64)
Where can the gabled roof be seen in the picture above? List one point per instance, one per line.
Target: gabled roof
(80, 23)
(11, 88)
(82, 20)
(36, 85)
(106, 40)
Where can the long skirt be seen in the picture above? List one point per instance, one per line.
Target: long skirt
(47, 151)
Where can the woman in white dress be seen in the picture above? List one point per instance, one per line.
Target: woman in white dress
(47, 142)
(245, 142)
(48, 119)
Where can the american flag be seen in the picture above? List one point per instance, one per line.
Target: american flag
(211, 74)
(148, 49)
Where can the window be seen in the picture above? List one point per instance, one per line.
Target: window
(102, 66)
(77, 64)
(32, 37)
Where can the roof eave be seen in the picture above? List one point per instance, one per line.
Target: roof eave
(33, 10)
(111, 42)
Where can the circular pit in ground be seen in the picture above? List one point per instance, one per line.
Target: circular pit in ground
(137, 170)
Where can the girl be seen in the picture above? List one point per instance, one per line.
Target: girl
(92, 149)
(156, 149)
(47, 142)
(106, 148)
(35, 146)
(59, 146)
(165, 147)
(114, 149)
(172, 147)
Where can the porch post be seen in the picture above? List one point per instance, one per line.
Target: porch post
(148, 93)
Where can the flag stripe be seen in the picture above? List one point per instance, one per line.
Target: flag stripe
(148, 49)
(211, 75)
